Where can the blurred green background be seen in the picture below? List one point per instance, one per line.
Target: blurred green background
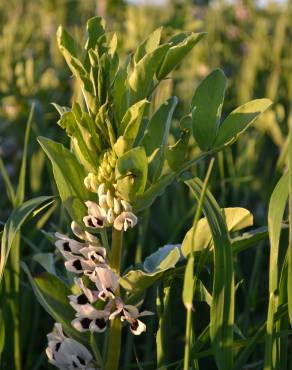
(251, 41)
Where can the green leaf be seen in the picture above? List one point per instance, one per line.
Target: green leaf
(164, 258)
(289, 285)
(189, 280)
(276, 212)
(67, 47)
(79, 125)
(69, 176)
(239, 120)
(8, 185)
(129, 127)
(46, 260)
(176, 154)
(17, 218)
(140, 79)
(154, 191)
(20, 193)
(156, 136)
(248, 239)
(236, 219)
(149, 45)
(119, 93)
(132, 170)
(163, 305)
(138, 280)
(95, 29)
(52, 294)
(182, 45)
(222, 308)
(206, 106)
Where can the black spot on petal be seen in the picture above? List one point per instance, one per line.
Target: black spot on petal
(82, 299)
(57, 347)
(66, 247)
(134, 325)
(90, 223)
(74, 364)
(101, 323)
(77, 265)
(81, 360)
(99, 222)
(85, 323)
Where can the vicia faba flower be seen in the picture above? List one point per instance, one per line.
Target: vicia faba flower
(110, 211)
(82, 302)
(81, 256)
(125, 221)
(130, 314)
(106, 281)
(66, 353)
(97, 216)
(92, 320)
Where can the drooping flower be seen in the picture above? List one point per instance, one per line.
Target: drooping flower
(130, 314)
(82, 302)
(106, 281)
(97, 216)
(125, 221)
(66, 353)
(80, 256)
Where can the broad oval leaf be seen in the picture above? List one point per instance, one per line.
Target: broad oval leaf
(132, 168)
(183, 44)
(236, 219)
(69, 176)
(141, 78)
(138, 280)
(239, 120)
(206, 106)
(156, 136)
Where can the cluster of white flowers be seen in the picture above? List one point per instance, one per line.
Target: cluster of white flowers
(110, 211)
(66, 353)
(88, 257)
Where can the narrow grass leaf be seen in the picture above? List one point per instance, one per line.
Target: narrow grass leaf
(222, 309)
(18, 217)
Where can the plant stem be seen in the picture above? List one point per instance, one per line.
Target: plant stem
(114, 338)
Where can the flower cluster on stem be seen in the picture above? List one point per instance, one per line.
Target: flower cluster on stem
(98, 300)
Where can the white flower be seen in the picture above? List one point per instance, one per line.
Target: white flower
(97, 217)
(94, 254)
(125, 220)
(93, 320)
(82, 302)
(84, 235)
(79, 265)
(66, 353)
(68, 247)
(130, 314)
(106, 282)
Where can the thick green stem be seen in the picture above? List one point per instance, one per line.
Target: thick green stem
(114, 338)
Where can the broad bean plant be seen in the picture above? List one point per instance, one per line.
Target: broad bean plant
(118, 162)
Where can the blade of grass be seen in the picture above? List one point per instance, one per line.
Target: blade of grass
(275, 216)
(222, 309)
(189, 278)
(289, 285)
